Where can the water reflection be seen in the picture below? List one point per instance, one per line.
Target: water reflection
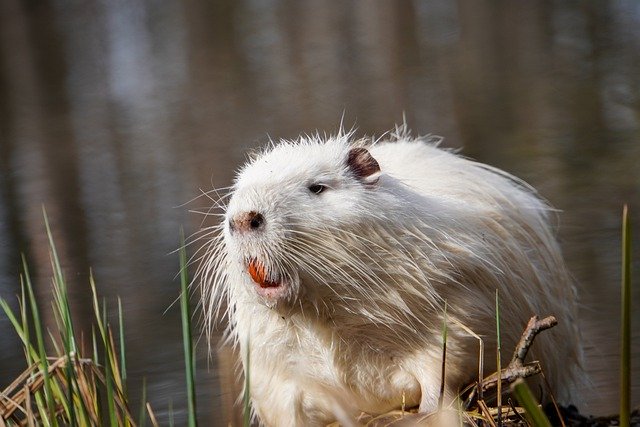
(113, 114)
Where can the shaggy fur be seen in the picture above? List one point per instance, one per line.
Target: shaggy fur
(365, 268)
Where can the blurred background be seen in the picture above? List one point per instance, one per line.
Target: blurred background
(114, 114)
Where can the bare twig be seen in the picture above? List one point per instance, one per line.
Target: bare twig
(534, 327)
(516, 368)
(510, 374)
(152, 416)
(480, 359)
(487, 413)
(553, 400)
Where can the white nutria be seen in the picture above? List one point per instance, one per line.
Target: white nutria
(334, 261)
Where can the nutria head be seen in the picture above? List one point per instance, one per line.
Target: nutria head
(284, 204)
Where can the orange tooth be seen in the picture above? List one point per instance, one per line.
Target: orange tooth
(256, 271)
(259, 274)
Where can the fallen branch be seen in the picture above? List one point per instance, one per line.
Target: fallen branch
(510, 374)
(516, 368)
(534, 327)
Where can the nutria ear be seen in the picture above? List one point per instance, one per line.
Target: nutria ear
(362, 164)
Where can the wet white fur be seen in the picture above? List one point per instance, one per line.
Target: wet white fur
(368, 268)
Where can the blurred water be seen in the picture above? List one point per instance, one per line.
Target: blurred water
(113, 114)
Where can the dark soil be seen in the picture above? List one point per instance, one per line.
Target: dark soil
(572, 418)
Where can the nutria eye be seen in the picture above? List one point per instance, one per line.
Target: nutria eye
(317, 188)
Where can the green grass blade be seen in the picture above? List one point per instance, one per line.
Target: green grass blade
(69, 373)
(44, 406)
(186, 335)
(19, 330)
(625, 327)
(101, 320)
(78, 398)
(54, 343)
(29, 350)
(96, 360)
(123, 361)
(94, 346)
(525, 398)
(60, 291)
(108, 375)
(143, 413)
(42, 354)
(64, 312)
(25, 320)
(96, 308)
(108, 371)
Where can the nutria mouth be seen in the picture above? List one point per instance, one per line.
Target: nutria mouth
(260, 275)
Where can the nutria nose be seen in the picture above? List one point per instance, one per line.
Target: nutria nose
(246, 221)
